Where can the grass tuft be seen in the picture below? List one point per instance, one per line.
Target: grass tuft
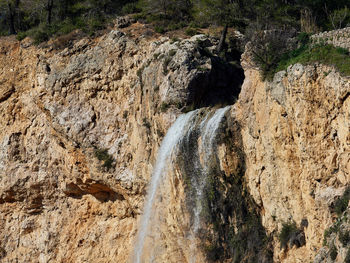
(325, 54)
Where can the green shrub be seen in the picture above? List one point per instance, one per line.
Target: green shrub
(160, 29)
(333, 229)
(202, 69)
(333, 252)
(344, 237)
(287, 232)
(342, 203)
(80, 23)
(166, 62)
(21, 35)
(190, 31)
(95, 24)
(341, 50)
(179, 104)
(213, 252)
(173, 27)
(172, 52)
(67, 26)
(174, 39)
(267, 49)
(267, 54)
(325, 54)
(326, 235)
(155, 18)
(164, 107)
(103, 155)
(40, 35)
(304, 38)
(347, 257)
(140, 16)
(130, 8)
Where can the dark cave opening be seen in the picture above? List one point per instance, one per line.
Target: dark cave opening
(221, 85)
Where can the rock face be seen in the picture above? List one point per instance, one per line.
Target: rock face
(81, 128)
(296, 140)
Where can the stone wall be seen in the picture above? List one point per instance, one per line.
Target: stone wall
(338, 38)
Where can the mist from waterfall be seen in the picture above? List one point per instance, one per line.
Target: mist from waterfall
(193, 137)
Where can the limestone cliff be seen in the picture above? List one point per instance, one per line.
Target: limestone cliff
(296, 140)
(81, 128)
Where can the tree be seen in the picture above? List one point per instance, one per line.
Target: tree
(338, 17)
(175, 10)
(9, 11)
(49, 6)
(267, 48)
(226, 13)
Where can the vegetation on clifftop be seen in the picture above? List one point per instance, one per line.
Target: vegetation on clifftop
(325, 54)
(272, 54)
(42, 19)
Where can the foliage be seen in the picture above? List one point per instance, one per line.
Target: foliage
(287, 232)
(342, 203)
(166, 62)
(333, 252)
(190, 31)
(268, 47)
(339, 17)
(131, 8)
(103, 155)
(307, 54)
(303, 38)
(160, 29)
(42, 19)
(47, 18)
(39, 34)
(347, 257)
(164, 107)
(344, 237)
(333, 229)
(21, 36)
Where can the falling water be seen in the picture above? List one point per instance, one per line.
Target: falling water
(175, 133)
(207, 146)
(206, 149)
(187, 129)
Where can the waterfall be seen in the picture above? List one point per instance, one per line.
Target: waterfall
(167, 147)
(192, 136)
(208, 130)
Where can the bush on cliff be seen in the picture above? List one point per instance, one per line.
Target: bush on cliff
(342, 203)
(291, 234)
(273, 55)
(325, 54)
(105, 157)
(268, 47)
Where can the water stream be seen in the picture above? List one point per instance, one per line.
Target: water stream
(174, 134)
(191, 128)
(206, 152)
